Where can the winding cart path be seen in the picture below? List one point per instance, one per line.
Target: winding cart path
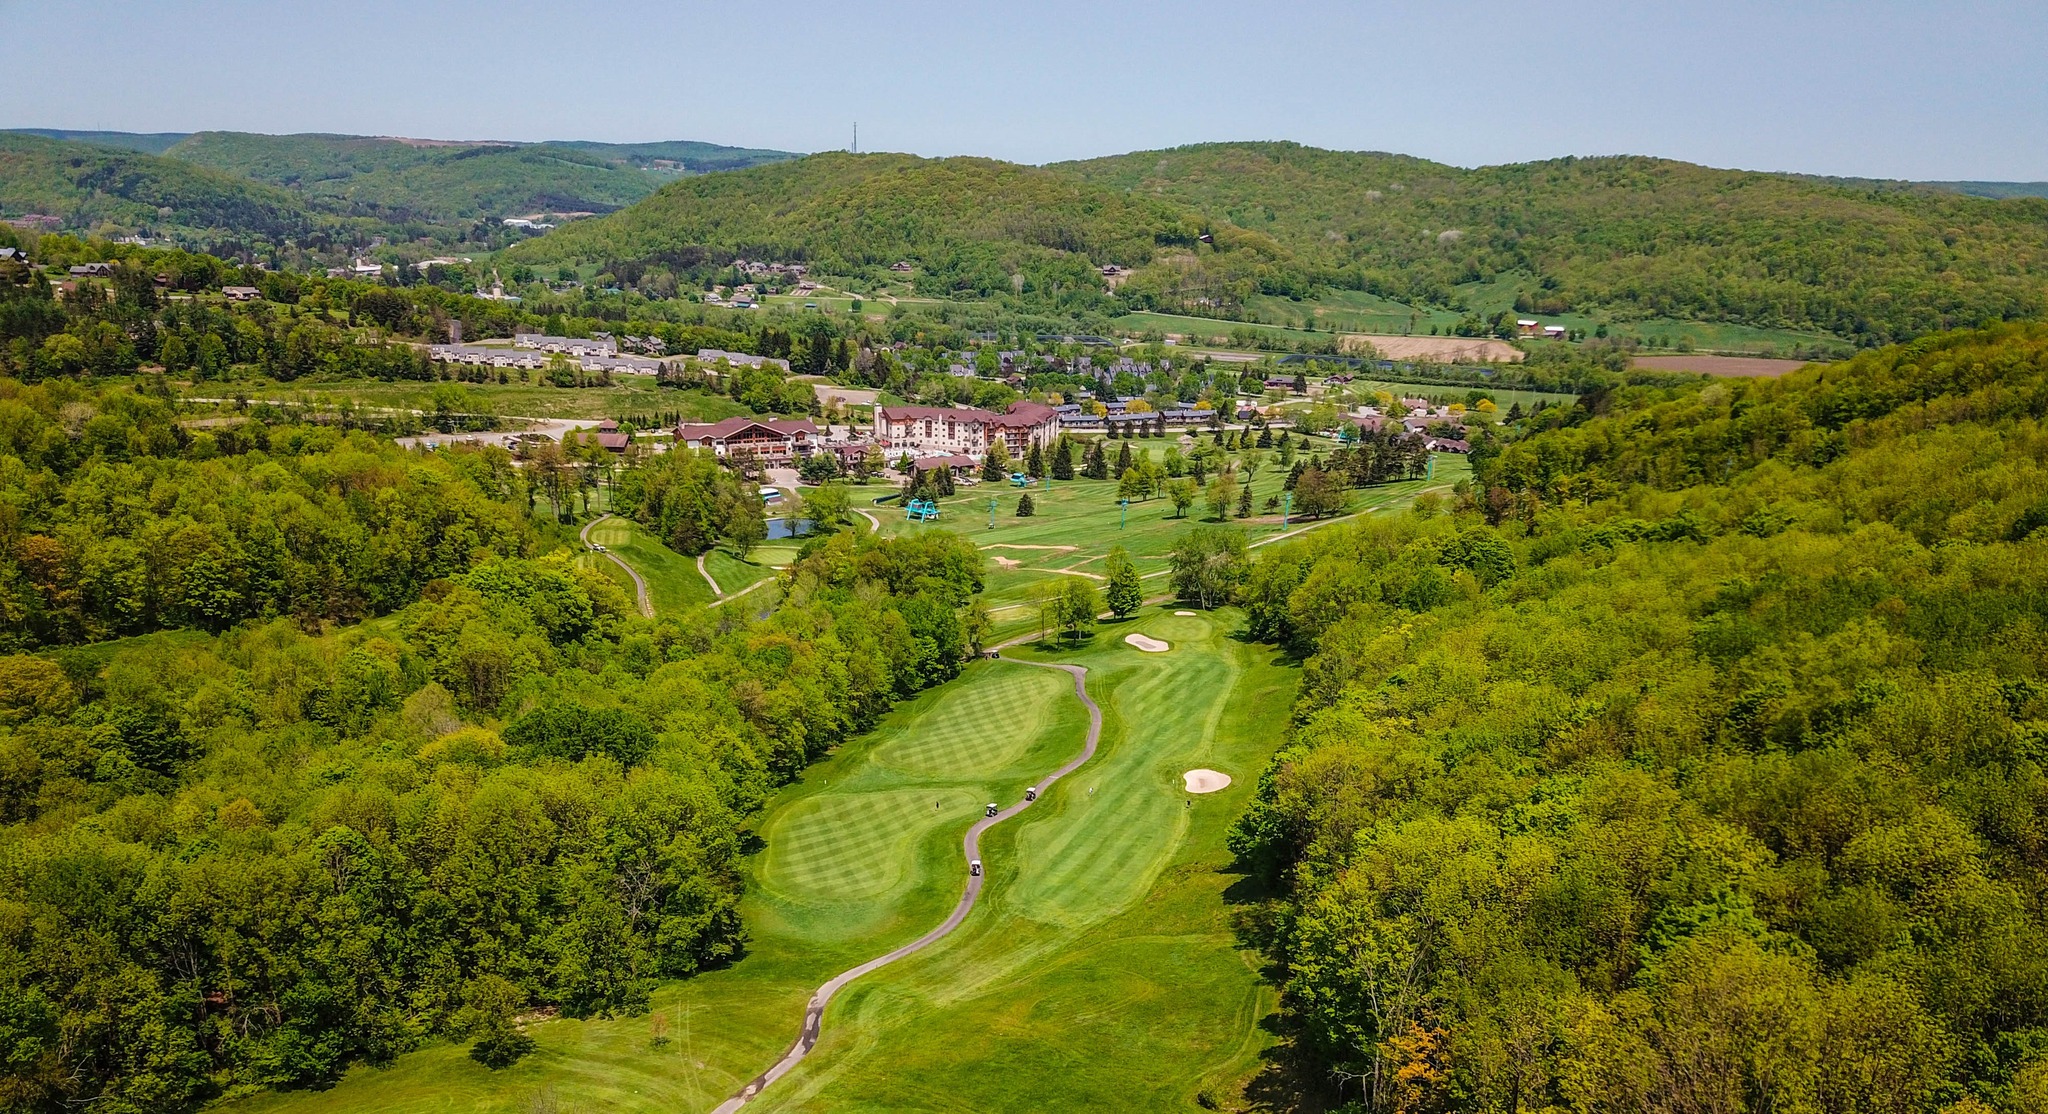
(814, 1012)
(645, 602)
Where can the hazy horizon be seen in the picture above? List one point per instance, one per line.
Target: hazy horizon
(1877, 90)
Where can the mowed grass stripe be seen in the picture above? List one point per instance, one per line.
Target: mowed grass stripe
(844, 847)
(982, 730)
(1112, 843)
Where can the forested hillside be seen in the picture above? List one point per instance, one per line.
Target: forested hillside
(88, 185)
(215, 187)
(253, 858)
(1642, 235)
(974, 226)
(1691, 761)
(402, 180)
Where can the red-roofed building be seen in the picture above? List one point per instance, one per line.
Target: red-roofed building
(946, 429)
(766, 438)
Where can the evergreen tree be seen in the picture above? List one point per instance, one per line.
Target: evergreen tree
(1244, 501)
(1265, 438)
(1123, 592)
(1025, 507)
(1034, 462)
(1063, 459)
(1123, 460)
(1096, 464)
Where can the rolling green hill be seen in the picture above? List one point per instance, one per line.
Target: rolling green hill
(402, 179)
(91, 186)
(1621, 238)
(238, 184)
(149, 143)
(1638, 236)
(970, 225)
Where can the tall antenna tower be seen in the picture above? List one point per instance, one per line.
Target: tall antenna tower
(856, 137)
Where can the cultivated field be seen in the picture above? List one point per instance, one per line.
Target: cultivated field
(1448, 350)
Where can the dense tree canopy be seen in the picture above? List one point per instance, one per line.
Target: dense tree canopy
(252, 859)
(1693, 762)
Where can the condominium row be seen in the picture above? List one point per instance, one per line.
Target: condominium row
(480, 356)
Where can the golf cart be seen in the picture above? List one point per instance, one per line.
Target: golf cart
(1031, 794)
(994, 808)
(974, 868)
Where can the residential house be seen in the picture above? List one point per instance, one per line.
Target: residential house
(84, 270)
(241, 293)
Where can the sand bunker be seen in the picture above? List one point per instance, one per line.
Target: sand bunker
(1189, 614)
(1149, 645)
(1205, 781)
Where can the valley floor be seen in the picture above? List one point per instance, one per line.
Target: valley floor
(1098, 972)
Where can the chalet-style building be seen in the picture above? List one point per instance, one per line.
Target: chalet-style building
(774, 439)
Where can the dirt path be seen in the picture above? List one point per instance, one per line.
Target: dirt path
(814, 1012)
(639, 584)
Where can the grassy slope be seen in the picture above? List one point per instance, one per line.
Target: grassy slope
(627, 395)
(1125, 887)
(672, 581)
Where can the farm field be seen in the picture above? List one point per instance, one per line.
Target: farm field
(1060, 976)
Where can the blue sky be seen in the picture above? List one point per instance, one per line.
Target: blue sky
(1879, 88)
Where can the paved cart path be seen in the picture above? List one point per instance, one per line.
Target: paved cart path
(639, 583)
(814, 1012)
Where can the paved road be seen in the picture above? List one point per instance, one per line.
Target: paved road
(814, 1012)
(639, 584)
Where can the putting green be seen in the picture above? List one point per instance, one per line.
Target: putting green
(842, 847)
(983, 729)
